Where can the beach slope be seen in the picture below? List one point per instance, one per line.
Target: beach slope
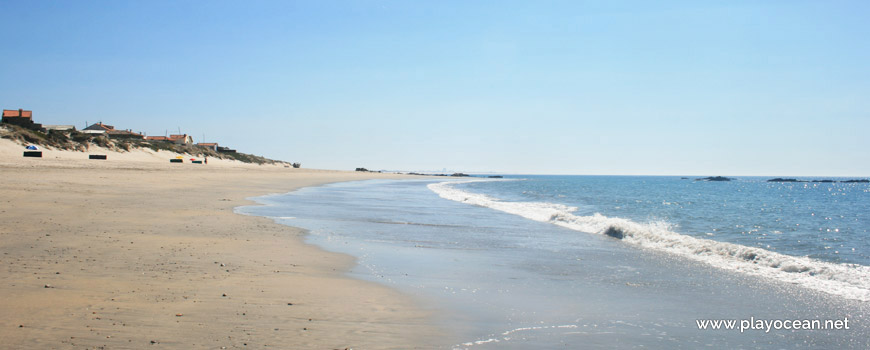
(135, 254)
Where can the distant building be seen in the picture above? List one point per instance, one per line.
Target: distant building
(125, 134)
(212, 146)
(183, 139)
(226, 150)
(109, 130)
(59, 127)
(20, 118)
(98, 128)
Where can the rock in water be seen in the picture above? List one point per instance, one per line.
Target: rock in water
(714, 178)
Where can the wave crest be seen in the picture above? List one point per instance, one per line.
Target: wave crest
(850, 281)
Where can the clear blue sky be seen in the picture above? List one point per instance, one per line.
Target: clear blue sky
(558, 87)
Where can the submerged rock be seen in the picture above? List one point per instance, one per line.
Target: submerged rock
(614, 232)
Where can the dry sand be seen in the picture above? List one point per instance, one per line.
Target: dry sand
(136, 252)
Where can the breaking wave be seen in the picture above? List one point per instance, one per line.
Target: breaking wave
(850, 281)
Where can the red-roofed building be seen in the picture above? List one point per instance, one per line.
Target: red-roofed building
(11, 113)
(183, 139)
(124, 134)
(100, 127)
(212, 145)
(21, 118)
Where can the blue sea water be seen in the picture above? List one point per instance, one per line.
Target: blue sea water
(825, 221)
(604, 261)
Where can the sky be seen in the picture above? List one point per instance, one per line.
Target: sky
(530, 87)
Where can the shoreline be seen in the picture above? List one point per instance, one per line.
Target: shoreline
(140, 254)
(496, 282)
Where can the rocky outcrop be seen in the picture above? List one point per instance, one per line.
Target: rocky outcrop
(714, 178)
(779, 179)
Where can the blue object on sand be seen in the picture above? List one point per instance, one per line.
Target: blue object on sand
(32, 148)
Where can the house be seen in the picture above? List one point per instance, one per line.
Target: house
(183, 139)
(20, 118)
(124, 134)
(109, 130)
(213, 145)
(59, 127)
(100, 127)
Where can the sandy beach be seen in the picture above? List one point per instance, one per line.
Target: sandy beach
(135, 252)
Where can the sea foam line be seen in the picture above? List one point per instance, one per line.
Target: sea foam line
(850, 281)
(506, 336)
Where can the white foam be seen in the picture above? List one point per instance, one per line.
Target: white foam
(850, 281)
(282, 217)
(505, 336)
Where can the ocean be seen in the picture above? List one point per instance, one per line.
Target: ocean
(633, 262)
